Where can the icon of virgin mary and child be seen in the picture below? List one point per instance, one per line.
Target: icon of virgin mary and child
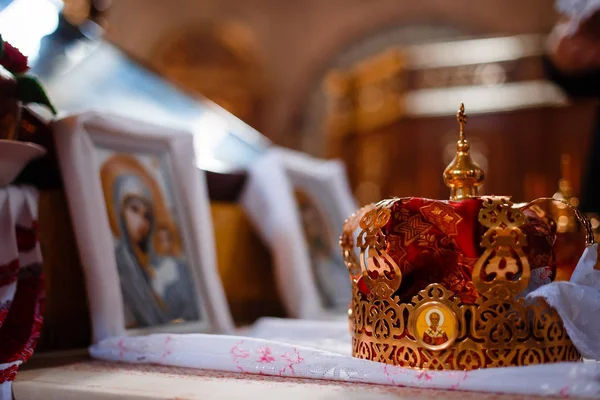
(156, 284)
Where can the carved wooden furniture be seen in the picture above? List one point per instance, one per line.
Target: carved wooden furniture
(397, 108)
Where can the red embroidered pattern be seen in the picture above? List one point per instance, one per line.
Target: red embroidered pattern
(8, 374)
(8, 272)
(438, 241)
(265, 355)
(21, 316)
(245, 360)
(410, 227)
(26, 238)
(4, 307)
(442, 216)
(22, 326)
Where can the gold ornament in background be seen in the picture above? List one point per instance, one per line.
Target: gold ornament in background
(565, 220)
(463, 176)
(436, 330)
(568, 233)
(595, 223)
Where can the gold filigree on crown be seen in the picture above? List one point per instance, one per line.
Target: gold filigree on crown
(436, 328)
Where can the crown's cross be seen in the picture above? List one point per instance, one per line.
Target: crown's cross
(461, 117)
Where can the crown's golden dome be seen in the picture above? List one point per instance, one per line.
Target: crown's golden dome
(463, 176)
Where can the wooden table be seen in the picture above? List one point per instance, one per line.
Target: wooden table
(76, 376)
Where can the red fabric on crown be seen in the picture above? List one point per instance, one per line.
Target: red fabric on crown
(435, 241)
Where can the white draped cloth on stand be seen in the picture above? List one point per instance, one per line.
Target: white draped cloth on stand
(321, 350)
(268, 200)
(578, 11)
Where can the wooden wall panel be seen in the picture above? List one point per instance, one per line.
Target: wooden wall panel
(523, 149)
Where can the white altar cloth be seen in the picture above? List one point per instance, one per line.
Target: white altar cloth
(321, 350)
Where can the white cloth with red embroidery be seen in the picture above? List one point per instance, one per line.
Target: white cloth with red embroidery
(322, 350)
(21, 281)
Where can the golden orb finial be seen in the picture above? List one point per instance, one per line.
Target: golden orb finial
(463, 176)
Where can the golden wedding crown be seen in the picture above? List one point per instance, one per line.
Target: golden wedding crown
(418, 301)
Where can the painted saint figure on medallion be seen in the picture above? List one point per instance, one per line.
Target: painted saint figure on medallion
(155, 278)
(435, 326)
(435, 334)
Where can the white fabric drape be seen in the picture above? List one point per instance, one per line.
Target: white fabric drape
(322, 350)
(578, 303)
(258, 356)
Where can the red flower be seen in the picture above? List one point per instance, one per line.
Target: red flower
(13, 60)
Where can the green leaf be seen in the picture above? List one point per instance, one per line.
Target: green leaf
(1, 46)
(29, 90)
